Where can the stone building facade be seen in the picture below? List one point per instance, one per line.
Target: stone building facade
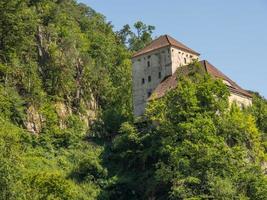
(153, 67)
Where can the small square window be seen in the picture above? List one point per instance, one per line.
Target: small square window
(148, 63)
(148, 57)
(149, 78)
(148, 94)
(143, 81)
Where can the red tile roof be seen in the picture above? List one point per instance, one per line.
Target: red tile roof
(213, 71)
(170, 82)
(164, 41)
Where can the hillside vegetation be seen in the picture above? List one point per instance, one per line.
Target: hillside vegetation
(66, 126)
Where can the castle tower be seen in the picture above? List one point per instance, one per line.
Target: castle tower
(155, 62)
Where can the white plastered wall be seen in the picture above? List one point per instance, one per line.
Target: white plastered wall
(181, 58)
(240, 100)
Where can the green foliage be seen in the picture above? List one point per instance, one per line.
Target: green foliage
(138, 38)
(222, 188)
(11, 105)
(51, 52)
(258, 188)
(59, 61)
(10, 163)
(192, 146)
(53, 186)
(89, 169)
(259, 111)
(34, 172)
(78, 58)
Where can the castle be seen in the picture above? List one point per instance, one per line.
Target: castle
(154, 72)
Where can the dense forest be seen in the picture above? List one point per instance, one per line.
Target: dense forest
(66, 126)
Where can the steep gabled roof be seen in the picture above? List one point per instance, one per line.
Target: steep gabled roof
(164, 41)
(233, 87)
(170, 82)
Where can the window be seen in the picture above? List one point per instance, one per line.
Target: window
(148, 63)
(148, 94)
(148, 57)
(149, 78)
(185, 60)
(159, 75)
(143, 81)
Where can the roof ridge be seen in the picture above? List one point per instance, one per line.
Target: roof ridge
(174, 42)
(168, 39)
(153, 40)
(227, 78)
(205, 65)
(163, 41)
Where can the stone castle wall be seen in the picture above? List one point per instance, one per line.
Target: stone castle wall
(151, 68)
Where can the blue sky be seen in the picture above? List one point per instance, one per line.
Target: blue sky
(231, 34)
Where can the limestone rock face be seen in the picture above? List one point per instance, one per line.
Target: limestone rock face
(34, 120)
(90, 112)
(63, 111)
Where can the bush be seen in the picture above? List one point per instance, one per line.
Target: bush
(89, 169)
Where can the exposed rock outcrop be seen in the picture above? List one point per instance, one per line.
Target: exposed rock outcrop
(35, 120)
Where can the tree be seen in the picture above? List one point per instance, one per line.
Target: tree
(200, 133)
(138, 38)
(259, 110)
(192, 146)
(61, 65)
(57, 52)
